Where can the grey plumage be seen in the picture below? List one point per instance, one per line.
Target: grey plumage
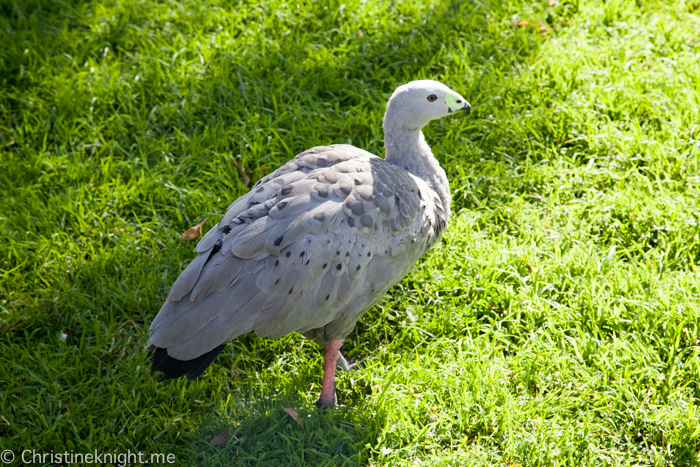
(309, 249)
(290, 249)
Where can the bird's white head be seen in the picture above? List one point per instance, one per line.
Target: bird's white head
(415, 104)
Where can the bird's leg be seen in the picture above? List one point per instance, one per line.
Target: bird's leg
(331, 350)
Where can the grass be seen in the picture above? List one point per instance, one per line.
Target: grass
(556, 324)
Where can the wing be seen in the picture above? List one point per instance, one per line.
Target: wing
(312, 246)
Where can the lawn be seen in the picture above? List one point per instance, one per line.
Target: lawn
(557, 323)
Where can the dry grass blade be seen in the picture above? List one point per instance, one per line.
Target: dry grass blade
(193, 232)
(241, 170)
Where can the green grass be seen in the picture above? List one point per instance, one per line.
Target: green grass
(558, 323)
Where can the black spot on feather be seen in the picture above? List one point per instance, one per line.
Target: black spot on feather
(357, 209)
(279, 240)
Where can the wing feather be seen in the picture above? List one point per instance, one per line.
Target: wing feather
(218, 273)
(187, 279)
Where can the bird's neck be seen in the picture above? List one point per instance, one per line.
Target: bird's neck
(407, 149)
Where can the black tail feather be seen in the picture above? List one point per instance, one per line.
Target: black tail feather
(173, 368)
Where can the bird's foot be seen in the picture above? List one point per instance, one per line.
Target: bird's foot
(327, 402)
(343, 364)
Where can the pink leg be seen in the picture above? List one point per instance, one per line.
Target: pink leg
(330, 356)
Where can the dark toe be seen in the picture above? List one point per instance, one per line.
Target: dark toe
(328, 404)
(344, 364)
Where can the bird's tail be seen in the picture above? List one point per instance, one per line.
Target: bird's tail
(173, 368)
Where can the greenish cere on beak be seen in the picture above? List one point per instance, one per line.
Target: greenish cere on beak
(455, 102)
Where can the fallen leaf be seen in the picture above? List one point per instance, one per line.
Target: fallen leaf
(221, 438)
(536, 26)
(193, 232)
(293, 413)
(241, 170)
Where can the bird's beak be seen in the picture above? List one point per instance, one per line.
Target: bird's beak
(455, 102)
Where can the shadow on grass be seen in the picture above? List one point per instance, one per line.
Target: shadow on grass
(262, 433)
(265, 376)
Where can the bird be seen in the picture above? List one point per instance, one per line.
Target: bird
(313, 245)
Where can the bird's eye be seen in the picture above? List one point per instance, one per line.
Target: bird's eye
(432, 97)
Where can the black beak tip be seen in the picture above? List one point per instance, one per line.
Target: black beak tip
(466, 107)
